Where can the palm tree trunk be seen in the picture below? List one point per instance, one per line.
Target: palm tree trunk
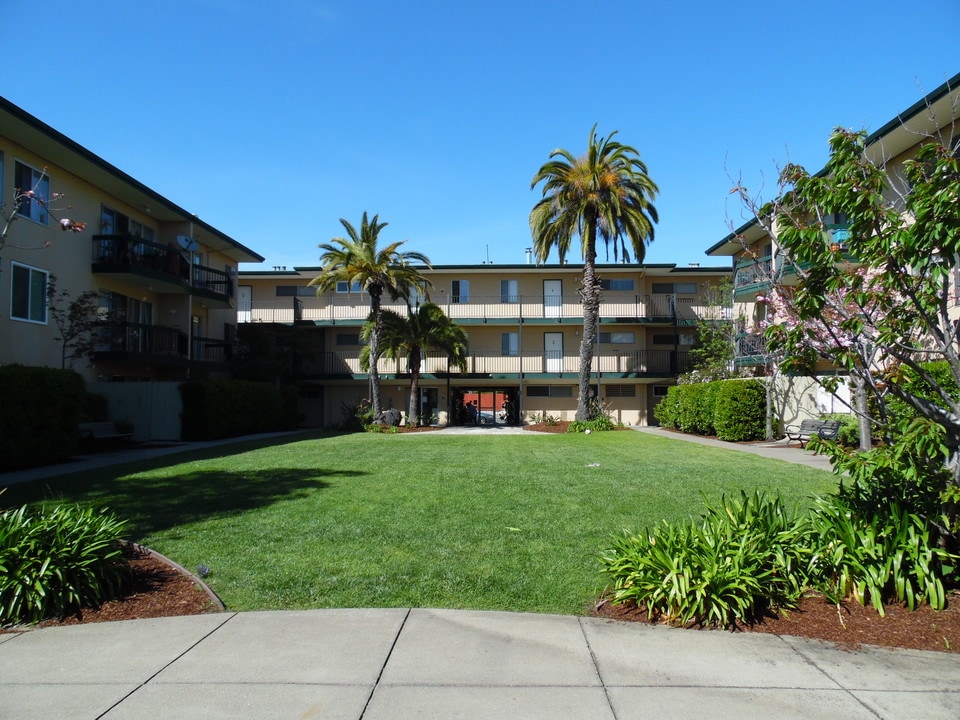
(590, 296)
(413, 409)
(374, 375)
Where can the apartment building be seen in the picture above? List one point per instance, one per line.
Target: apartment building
(758, 264)
(523, 324)
(165, 280)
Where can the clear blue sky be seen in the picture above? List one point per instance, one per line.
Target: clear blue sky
(272, 120)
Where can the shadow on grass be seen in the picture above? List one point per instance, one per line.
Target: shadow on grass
(151, 504)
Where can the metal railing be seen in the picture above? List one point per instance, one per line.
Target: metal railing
(356, 307)
(127, 251)
(640, 362)
(140, 338)
(753, 272)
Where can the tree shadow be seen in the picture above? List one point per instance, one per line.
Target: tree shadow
(153, 504)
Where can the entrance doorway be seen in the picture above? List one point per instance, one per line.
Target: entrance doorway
(487, 406)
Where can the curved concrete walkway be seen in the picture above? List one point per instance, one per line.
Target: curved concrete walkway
(401, 664)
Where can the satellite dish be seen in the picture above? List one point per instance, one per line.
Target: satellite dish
(187, 243)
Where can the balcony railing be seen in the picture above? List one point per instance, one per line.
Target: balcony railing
(632, 362)
(126, 253)
(209, 350)
(141, 339)
(750, 348)
(356, 308)
(751, 274)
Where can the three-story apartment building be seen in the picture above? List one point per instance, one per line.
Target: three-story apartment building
(523, 324)
(165, 281)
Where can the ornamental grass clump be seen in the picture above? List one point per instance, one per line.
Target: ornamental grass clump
(741, 561)
(55, 561)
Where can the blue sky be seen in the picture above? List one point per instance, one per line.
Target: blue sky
(273, 120)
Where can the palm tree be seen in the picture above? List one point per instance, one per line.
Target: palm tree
(605, 193)
(426, 328)
(357, 260)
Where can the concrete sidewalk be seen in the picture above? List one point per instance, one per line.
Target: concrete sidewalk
(401, 664)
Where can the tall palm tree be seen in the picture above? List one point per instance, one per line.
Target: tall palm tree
(606, 194)
(426, 328)
(357, 260)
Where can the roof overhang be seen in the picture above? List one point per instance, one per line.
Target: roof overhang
(56, 148)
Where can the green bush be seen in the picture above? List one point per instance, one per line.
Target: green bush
(598, 424)
(741, 561)
(228, 408)
(40, 409)
(740, 408)
(849, 433)
(55, 561)
(884, 556)
(695, 409)
(667, 410)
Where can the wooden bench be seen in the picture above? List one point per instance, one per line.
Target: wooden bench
(102, 431)
(827, 429)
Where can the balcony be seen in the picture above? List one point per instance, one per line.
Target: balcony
(751, 349)
(165, 268)
(127, 341)
(354, 309)
(752, 276)
(628, 364)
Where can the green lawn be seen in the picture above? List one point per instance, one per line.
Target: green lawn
(485, 522)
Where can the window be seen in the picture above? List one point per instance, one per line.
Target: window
(550, 391)
(665, 340)
(622, 284)
(296, 291)
(348, 338)
(618, 338)
(509, 292)
(660, 391)
(510, 344)
(675, 288)
(29, 180)
(349, 287)
(460, 291)
(688, 339)
(28, 293)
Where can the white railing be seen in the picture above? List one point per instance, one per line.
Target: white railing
(356, 307)
(481, 363)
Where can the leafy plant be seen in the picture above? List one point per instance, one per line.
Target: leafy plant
(886, 555)
(56, 561)
(740, 561)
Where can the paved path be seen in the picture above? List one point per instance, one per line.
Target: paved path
(400, 664)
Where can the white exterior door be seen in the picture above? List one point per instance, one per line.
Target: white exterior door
(553, 352)
(244, 303)
(552, 298)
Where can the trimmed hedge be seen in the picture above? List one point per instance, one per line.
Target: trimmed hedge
(730, 409)
(40, 409)
(740, 410)
(214, 409)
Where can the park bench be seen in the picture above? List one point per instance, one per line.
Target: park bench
(827, 429)
(102, 431)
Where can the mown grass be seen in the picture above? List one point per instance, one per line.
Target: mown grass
(427, 520)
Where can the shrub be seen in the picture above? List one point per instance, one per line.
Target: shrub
(667, 410)
(219, 409)
(739, 562)
(55, 561)
(696, 408)
(882, 556)
(40, 409)
(740, 408)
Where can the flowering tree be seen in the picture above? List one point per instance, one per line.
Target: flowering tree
(24, 197)
(883, 317)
